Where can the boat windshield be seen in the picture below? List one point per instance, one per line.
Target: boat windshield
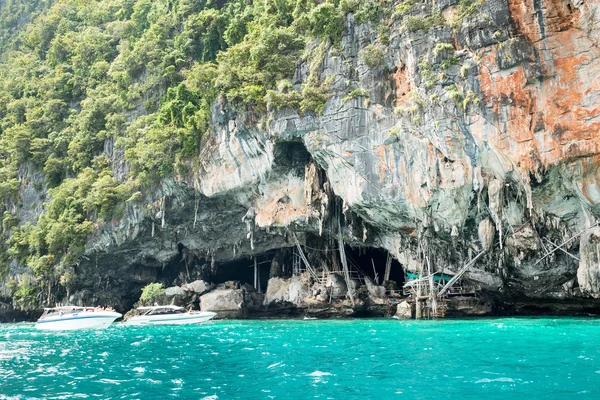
(164, 310)
(49, 312)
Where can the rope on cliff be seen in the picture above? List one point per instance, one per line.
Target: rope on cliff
(564, 243)
(460, 273)
(310, 269)
(556, 247)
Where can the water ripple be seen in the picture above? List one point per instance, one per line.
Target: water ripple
(473, 359)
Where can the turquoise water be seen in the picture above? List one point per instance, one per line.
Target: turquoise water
(349, 359)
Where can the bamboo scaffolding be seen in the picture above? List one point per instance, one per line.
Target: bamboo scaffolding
(460, 273)
(556, 247)
(346, 270)
(564, 243)
(310, 269)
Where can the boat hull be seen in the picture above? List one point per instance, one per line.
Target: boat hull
(172, 319)
(76, 321)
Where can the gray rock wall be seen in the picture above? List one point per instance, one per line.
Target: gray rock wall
(488, 142)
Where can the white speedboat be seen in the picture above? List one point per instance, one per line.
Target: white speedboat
(71, 318)
(169, 315)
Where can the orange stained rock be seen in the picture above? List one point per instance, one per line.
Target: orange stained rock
(383, 162)
(553, 119)
(589, 180)
(403, 86)
(522, 12)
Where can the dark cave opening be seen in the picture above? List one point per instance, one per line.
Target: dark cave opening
(242, 270)
(187, 267)
(170, 271)
(291, 155)
(365, 258)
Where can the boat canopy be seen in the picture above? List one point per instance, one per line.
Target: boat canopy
(159, 307)
(415, 278)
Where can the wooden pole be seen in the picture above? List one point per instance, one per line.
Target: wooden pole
(346, 270)
(460, 273)
(313, 273)
(388, 267)
(375, 273)
(563, 250)
(345, 263)
(557, 247)
(255, 274)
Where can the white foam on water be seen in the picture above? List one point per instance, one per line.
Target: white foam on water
(111, 381)
(485, 380)
(140, 370)
(320, 373)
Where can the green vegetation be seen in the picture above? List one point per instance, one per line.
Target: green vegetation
(448, 62)
(441, 47)
(466, 8)
(14, 16)
(24, 292)
(428, 74)
(368, 10)
(403, 8)
(355, 94)
(315, 92)
(455, 94)
(142, 76)
(371, 56)
(415, 23)
(152, 293)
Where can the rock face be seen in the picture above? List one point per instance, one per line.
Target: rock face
(199, 287)
(480, 134)
(336, 285)
(225, 302)
(376, 292)
(292, 290)
(176, 295)
(588, 274)
(404, 311)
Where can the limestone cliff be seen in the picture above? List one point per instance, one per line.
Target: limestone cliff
(439, 141)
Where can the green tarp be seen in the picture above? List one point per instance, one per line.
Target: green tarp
(436, 278)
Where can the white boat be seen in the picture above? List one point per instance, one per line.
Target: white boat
(169, 315)
(71, 318)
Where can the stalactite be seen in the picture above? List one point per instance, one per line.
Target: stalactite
(496, 202)
(196, 205)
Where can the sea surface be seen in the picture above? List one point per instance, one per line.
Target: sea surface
(509, 358)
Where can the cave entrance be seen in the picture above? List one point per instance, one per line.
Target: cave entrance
(169, 274)
(242, 270)
(372, 261)
(291, 155)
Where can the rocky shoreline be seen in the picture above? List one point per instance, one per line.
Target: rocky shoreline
(469, 149)
(291, 298)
